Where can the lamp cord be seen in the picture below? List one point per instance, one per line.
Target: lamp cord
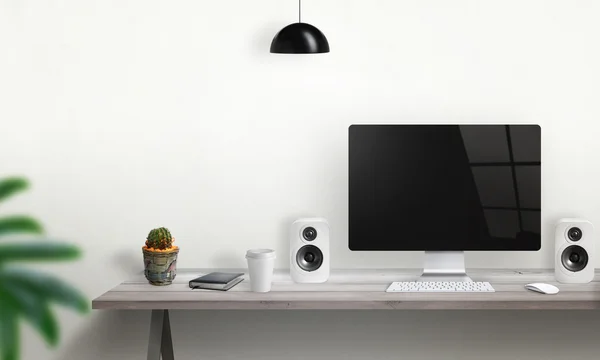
(299, 11)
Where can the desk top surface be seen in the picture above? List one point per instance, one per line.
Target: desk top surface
(352, 289)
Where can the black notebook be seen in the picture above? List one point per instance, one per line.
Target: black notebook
(217, 281)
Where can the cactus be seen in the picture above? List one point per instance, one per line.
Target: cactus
(160, 239)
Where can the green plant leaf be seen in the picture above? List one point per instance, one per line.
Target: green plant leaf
(9, 332)
(20, 224)
(32, 308)
(47, 287)
(38, 251)
(11, 186)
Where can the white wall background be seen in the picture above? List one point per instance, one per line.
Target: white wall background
(131, 114)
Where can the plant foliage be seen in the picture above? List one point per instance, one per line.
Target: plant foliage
(159, 238)
(26, 294)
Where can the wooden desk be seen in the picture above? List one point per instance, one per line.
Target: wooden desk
(346, 289)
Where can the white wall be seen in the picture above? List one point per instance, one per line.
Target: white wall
(131, 114)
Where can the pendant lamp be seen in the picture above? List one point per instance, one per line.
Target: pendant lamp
(299, 38)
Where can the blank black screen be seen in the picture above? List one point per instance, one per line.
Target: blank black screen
(444, 187)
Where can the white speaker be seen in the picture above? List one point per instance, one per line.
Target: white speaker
(309, 250)
(574, 257)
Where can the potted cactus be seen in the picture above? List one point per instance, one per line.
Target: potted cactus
(160, 257)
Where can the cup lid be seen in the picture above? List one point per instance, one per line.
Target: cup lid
(260, 254)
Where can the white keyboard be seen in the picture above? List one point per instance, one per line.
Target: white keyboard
(440, 286)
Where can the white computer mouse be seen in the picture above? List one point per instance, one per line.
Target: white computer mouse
(542, 288)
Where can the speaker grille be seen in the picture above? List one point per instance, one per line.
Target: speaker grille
(309, 258)
(574, 258)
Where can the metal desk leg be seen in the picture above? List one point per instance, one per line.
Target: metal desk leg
(160, 341)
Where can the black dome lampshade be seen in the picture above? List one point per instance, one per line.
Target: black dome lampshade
(299, 38)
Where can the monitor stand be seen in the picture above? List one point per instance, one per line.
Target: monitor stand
(444, 266)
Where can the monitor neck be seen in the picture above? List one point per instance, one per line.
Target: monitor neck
(444, 266)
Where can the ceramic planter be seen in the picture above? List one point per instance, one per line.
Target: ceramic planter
(160, 267)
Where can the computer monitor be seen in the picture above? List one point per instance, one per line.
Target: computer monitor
(444, 189)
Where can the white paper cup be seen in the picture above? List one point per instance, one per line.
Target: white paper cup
(260, 266)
